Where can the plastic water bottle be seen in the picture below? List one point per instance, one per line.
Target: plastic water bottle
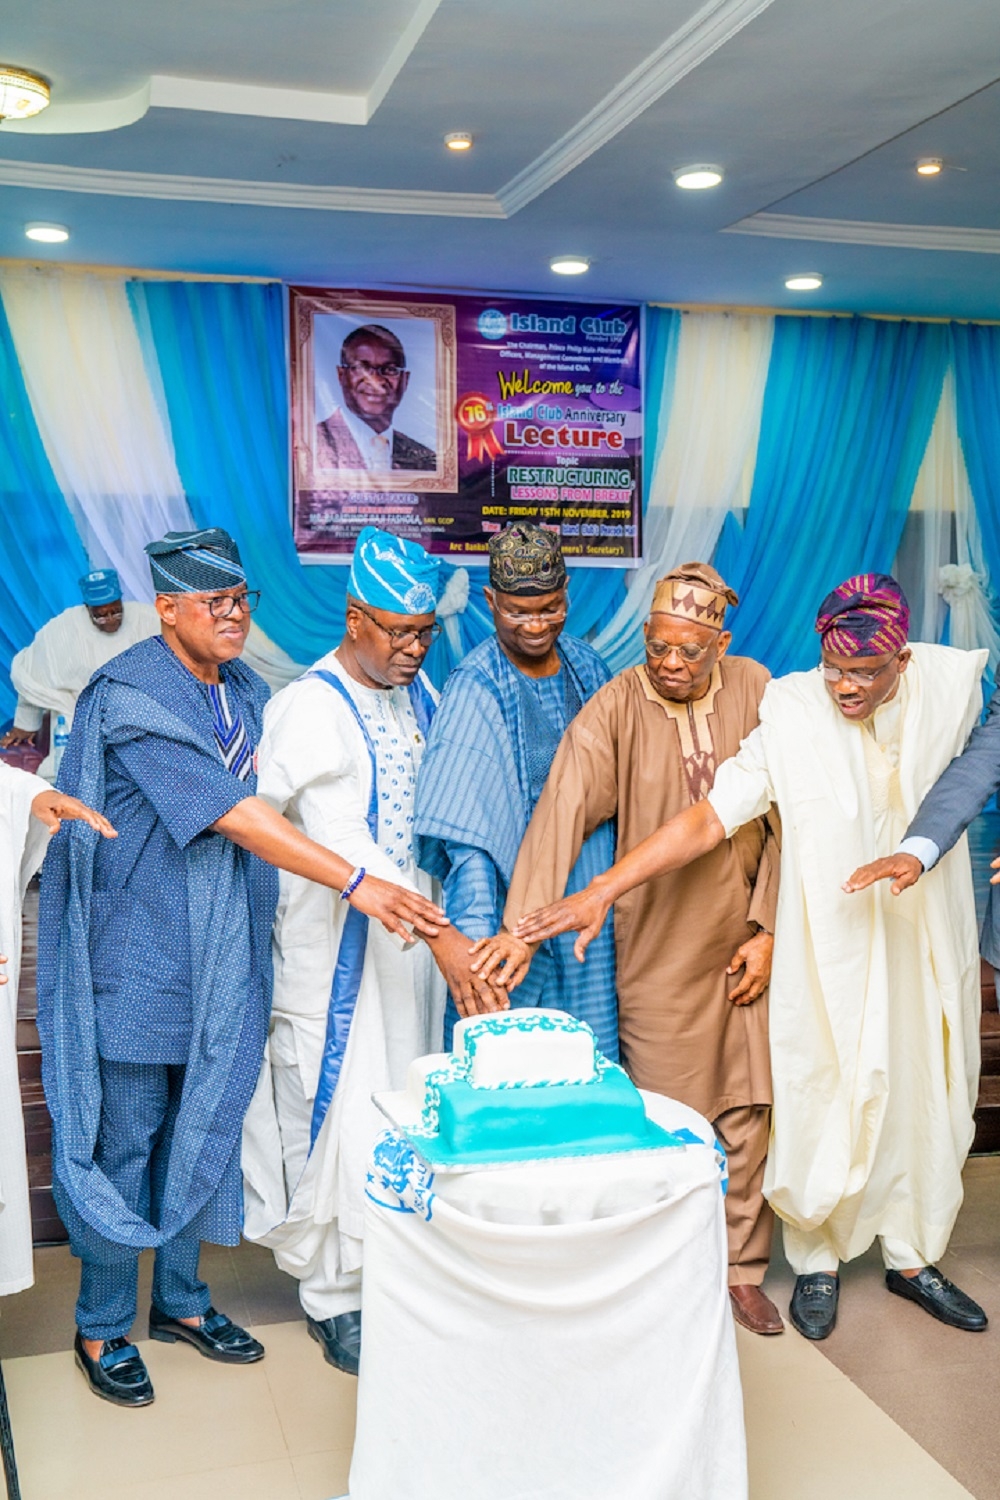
(60, 739)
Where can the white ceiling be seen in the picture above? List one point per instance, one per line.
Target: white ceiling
(336, 171)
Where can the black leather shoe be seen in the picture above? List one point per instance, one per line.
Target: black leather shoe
(340, 1339)
(217, 1337)
(118, 1374)
(940, 1297)
(813, 1308)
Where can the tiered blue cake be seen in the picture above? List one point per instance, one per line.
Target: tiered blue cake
(524, 1084)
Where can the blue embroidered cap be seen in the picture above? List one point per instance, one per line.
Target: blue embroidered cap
(195, 562)
(388, 572)
(100, 587)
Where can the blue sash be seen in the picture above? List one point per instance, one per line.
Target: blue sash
(354, 938)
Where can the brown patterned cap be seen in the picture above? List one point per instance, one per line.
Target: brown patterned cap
(694, 592)
(526, 560)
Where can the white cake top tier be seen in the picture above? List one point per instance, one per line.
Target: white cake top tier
(525, 1048)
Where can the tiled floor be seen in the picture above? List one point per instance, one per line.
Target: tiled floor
(892, 1405)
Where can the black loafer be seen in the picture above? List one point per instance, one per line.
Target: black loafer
(813, 1308)
(340, 1339)
(217, 1337)
(940, 1297)
(118, 1374)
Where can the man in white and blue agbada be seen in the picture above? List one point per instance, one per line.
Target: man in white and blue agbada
(352, 1007)
(155, 964)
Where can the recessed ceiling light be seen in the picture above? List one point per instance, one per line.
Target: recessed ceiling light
(458, 140)
(929, 166)
(569, 265)
(808, 281)
(22, 94)
(698, 177)
(48, 234)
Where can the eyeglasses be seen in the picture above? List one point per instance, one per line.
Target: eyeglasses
(222, 606)
(860, 677)
(687, 653)
(533, 617)
(363, 367)
(399, 640)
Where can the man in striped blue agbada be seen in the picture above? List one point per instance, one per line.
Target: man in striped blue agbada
(502, 715)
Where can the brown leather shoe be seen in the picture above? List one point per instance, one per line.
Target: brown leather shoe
(754, 1310)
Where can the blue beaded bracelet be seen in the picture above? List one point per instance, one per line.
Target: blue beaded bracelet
(357, 875)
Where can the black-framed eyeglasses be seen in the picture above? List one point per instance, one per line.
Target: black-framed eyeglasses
(222, 606)
(860, 677)
(389, 371)
(400, 639)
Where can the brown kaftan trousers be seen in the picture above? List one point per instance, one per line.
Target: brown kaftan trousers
(632, 756)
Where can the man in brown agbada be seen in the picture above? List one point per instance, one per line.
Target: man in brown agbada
(693, 948)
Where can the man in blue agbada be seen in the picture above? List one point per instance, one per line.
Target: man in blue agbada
(155, 964)
(502, 714)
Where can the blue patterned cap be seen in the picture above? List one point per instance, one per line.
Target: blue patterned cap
(100, 587)
(195, 562)
(390, 573)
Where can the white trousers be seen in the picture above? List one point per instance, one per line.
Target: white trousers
(809, 1251)
(311, 1252)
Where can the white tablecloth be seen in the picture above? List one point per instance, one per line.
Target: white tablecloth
(550, 1331)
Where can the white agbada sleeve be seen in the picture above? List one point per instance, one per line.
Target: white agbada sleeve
(24, 841)
(51, 673)
(742, 789)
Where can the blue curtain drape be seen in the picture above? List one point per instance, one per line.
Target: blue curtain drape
(976, 353)
(847, 413)
(42, 552)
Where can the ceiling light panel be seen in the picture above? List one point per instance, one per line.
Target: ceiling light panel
(47, 234)
(569, 265)
(694, 179)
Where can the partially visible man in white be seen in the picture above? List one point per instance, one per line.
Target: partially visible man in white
(352, 1008)
(51, 673)
(30, 811)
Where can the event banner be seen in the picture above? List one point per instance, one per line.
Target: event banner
(442, 418)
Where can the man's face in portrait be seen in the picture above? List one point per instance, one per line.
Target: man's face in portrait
(373, 381)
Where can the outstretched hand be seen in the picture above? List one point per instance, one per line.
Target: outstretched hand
(472, 993)
(903, 870)
(503, 959)
(583, 913)
(395, 907)
(754, 958)
(53, 808)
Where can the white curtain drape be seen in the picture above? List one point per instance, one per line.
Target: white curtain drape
(85, 376)
(706, 462)
(953, 570)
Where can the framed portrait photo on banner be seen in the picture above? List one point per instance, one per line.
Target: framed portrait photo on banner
(441, 417)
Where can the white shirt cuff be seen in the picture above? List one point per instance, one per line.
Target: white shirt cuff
(925, 850)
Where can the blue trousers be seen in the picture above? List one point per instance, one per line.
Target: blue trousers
(138, 1113)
